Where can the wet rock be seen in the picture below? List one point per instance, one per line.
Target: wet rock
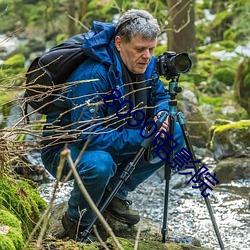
(233, 169)
(150, 234)
(231, 139)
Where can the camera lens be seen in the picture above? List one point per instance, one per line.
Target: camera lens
(170, 64)
(182, 63)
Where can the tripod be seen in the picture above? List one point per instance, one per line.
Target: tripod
(173, 90)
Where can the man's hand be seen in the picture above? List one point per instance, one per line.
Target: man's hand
(165, 124)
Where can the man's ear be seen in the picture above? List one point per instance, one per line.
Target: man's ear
(118, 42)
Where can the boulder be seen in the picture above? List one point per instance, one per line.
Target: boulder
(149, 238)
(231, 169)
(230, 139)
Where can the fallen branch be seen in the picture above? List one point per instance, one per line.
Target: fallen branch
(66, 154)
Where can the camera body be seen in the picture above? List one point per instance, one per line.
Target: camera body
(171, 65)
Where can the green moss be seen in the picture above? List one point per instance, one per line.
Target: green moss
(220, 132)
(16, 61)
(214, 101)
(21, 199)
(9, 219)
(13, 239)
(128, 244)
(13, 71)
(6, 243)
(228, 45)
(225, 75)
(16, 237)
(236, 125)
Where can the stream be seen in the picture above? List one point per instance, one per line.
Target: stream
(187, 211)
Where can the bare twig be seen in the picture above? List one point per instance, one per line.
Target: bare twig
(66, 154)
(99, 238)
(77, 21)
(137, 236)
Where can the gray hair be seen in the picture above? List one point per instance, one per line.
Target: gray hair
(137, 22)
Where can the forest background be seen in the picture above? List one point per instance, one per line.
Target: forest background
(214, 33)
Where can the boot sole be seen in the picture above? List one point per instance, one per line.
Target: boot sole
(121, 219)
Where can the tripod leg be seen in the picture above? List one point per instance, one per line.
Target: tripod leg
(167, 173)
(181, 120)
(164, 229)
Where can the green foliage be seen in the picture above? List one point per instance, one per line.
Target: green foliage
(22, 200)
(6, 243)
(12, 67)
(216, 67)
(242, 84)
(17, 61)
(229, 22)
(13, 239)
(219, 102)
(160, 49)
(214, 101)
(224, 75)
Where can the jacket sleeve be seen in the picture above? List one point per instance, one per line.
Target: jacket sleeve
(88, 115)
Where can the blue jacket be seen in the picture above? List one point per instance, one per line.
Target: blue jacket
(89, 118)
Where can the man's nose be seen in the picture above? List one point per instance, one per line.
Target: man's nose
(146, 54)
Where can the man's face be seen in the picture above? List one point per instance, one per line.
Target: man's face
(137, 53)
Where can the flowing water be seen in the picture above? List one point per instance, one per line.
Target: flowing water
(187, 212)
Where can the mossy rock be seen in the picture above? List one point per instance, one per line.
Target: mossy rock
(22, 200)
(231, 139)
(231, 169)
(150, 235)
(10, 231)
(128, 244)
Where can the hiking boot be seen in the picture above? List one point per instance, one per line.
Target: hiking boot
(121, 211)
(75, 231)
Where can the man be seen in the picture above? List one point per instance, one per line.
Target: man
(119, 57)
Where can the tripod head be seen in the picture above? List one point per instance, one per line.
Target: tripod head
(174, 89)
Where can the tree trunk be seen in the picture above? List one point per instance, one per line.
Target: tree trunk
(181, 27)
(71, 6)
(83, 7)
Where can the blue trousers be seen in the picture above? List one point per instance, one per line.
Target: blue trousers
(99, 171)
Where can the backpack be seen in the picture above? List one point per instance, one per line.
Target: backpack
(47, 74)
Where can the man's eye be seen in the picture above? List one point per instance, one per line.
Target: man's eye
(139, 49)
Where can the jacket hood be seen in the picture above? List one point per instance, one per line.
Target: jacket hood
(98, 42)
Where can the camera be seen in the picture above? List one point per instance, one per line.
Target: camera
(171, 65)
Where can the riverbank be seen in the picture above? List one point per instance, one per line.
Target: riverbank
(188, 215)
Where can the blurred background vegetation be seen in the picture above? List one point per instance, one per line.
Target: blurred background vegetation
(215, 34)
